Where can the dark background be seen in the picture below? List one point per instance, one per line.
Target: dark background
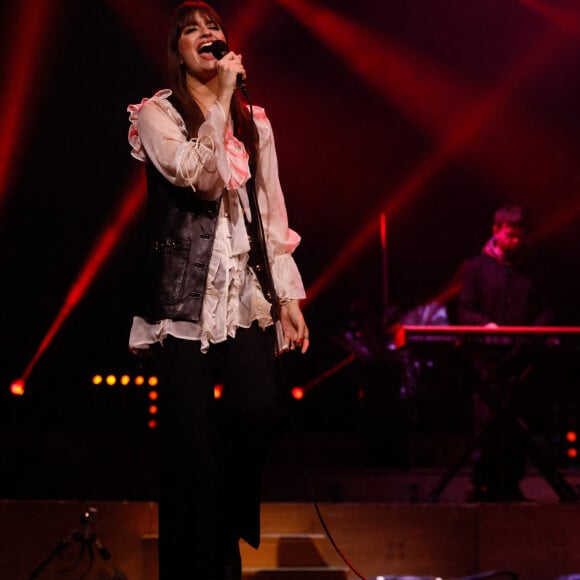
(461, 107)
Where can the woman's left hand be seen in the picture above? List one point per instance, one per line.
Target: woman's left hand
(294, 326)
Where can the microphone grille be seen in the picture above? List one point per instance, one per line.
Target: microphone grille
(219, 49)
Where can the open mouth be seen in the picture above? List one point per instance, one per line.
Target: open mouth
(205, 48)
(218, 48)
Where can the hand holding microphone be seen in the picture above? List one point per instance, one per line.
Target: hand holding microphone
(219, 49)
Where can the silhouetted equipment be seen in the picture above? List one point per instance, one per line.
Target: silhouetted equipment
(538, 336)
(86, 540)
(518, 341)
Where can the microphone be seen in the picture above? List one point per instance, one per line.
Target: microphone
(87, 520)
(219, 49)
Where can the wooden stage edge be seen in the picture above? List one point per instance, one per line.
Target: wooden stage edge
(534, 541)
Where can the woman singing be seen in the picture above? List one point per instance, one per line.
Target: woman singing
(204, 312)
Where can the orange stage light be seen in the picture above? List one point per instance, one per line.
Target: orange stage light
(17, 388)
(106, 243)
(303, 389)
(298, 393)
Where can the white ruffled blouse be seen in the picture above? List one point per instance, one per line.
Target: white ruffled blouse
(215, 164)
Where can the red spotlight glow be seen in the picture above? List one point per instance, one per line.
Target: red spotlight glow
(107, 241)
(571, 436)
(417, 85)
(438, 100)
(459, 136)
(153, 409)
(104, 246)
(572, 453)
(153, 381)
(461, 119)
(558, 220)
(218, 391)
(566, 19)
(142, 21)
(248, 19)
(152, 424)
(34, 20)
(153, 395)
(17, 388)
(298, 393)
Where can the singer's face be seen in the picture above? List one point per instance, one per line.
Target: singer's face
(200, 31)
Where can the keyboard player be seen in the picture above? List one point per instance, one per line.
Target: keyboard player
(497, 290)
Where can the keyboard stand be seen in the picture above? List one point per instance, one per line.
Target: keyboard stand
(563, 489)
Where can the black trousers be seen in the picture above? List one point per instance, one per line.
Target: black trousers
(212, 451)
(500, 464)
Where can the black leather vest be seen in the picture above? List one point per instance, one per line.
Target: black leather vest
(180, 235)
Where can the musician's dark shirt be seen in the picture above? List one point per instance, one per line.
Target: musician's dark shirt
(507, 294)
(500, 293)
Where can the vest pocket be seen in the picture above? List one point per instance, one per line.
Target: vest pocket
(170, 258)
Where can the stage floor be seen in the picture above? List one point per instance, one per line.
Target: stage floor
(536, 540)
(379, 517)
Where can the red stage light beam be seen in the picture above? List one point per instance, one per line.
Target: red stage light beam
(418, 86)
(134, 198)
(248, 19)
(435, 98)
(558, 220)
(427, 93)
(552, 224)
(326, 374)
(458, 137)
(129, 207)
(144, 20)
(455, 121)
(567, 19)
(33, 21)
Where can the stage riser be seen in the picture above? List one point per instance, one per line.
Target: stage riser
(537, 542)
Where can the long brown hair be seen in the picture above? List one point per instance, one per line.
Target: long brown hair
(244, 128)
